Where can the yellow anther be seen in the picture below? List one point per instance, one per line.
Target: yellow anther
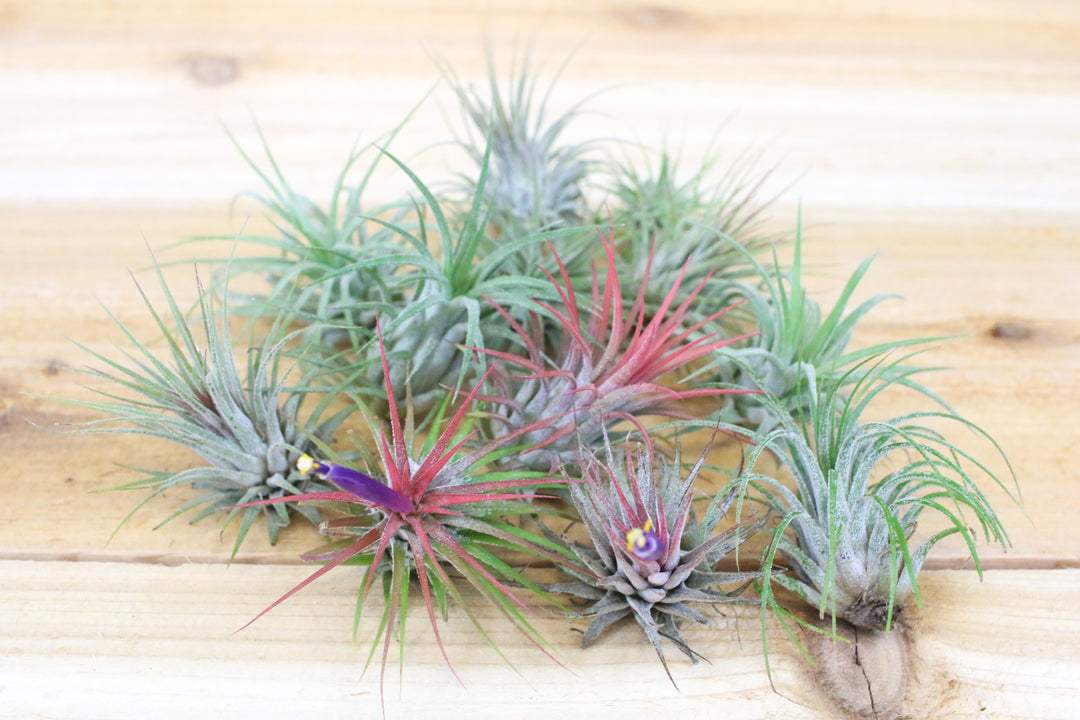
(635, 537)
(305, 464)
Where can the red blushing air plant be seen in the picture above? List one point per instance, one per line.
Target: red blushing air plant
(605, 368)
(438, 506)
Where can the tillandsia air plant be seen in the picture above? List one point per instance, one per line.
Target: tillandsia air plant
(648, 556)
(532, 181)
(535, 180)
(426, 510)
(247, 428)
(794, 347)
(333, 269)
(607, 365)
(860, 488)
(705, 226)
(448, 271)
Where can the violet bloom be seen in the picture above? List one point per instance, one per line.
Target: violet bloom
(352, 481)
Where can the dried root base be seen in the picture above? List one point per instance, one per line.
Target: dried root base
(867, 676)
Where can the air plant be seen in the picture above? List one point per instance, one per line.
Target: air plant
(424, 510)
(648, 556)
(333, 268)
(860, 488)
(535, 180)
(707, 225)
(445, 309)
(246, 428)
(795, 348)
(607, 368)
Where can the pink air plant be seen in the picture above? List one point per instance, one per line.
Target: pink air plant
(435, 509)
(607, 366)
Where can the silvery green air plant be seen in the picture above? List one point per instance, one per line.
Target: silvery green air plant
(648, 556)
(247, 428)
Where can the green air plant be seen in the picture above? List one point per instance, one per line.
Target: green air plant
(648, 556)
(333, 268)
(535, 180)
(448, 273)
(795, 348)
(246, 428)
(707, 225)
(430, 511)
(860, 488)
(531, 180)
(606, 367)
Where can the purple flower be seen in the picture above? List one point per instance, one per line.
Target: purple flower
(644, 544)
(365, 487)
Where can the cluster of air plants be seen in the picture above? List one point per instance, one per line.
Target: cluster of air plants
(576, 294)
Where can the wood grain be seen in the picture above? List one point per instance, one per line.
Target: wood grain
(944, 135)
(146, 640)
(861, 104)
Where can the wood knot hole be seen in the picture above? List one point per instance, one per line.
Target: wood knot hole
(212, 70)
(1010, 330)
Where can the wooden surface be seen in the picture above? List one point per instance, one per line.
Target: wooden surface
(946, 135)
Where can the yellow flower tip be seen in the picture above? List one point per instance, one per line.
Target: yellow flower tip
(634, 538)
(305, 464)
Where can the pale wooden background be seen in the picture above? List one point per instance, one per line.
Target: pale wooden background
(946, 134)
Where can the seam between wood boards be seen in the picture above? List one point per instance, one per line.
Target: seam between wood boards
(1061, 562)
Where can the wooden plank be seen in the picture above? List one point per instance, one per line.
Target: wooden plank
(106, 640)
(968, 105)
